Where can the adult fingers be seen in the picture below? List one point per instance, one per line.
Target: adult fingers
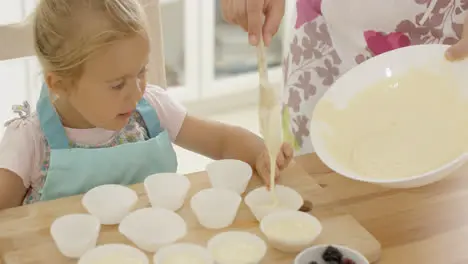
(255, 20)
(273, 17)
(242, 22)
(227, 12)
(459, 50)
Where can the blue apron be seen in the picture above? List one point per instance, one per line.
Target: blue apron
(74, 171)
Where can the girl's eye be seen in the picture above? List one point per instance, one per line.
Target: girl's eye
(118, 86)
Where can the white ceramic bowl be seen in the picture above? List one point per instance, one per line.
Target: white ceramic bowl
(110, 202)
(114, 253)
(74, 234)
(167, 190)
(152, 228)
(215, 208)
(395, 62)
(290, 231)
(183, 253)
(229, 174)
(236, 247)
(315, 254)
(260, 201)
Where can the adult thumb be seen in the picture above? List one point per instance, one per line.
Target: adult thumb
(458, 51)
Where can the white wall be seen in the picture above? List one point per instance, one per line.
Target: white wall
(172, 17)
(16, 76)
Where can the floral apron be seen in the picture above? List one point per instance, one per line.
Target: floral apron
(332, 36)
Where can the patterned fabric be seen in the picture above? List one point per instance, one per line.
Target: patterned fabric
(23, 111)
(134, 131)
(332, 36)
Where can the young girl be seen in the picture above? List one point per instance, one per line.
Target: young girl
(97, 120)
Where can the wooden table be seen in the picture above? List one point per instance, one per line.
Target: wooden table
(25, 238)
(427, 225)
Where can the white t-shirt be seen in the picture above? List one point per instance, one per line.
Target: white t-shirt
(23, 147)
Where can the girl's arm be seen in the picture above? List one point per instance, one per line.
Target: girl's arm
(219, 141)
(12, 189)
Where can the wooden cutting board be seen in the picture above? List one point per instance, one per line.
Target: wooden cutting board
(25, 239)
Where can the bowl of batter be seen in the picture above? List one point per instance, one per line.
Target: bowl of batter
(399, 119)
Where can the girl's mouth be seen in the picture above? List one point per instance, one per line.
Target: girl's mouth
(126, 115)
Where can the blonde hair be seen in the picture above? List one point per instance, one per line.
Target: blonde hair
(68, 32)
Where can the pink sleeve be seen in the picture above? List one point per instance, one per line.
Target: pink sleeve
(21, 149)
(171, 113)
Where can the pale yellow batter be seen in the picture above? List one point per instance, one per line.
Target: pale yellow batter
(184, 258)
(269, 116)
(400, 127)
(271, 124)
(118, 259)
(294, 229)
(236, 252)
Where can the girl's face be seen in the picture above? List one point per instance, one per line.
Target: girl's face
(112, 83)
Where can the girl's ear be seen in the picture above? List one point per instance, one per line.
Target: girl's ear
(56, 84)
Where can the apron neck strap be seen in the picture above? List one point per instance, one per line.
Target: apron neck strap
(50, 122)
(150, 117)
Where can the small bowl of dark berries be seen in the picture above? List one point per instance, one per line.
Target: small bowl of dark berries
(330, 254)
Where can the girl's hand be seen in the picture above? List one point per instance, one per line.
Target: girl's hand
(283, 159)
(249, 15)
(459, 51)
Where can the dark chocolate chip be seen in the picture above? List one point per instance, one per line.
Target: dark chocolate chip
(306, 207)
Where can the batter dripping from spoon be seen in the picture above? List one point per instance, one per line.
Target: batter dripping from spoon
(270, 118)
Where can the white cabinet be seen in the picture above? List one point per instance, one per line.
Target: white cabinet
(230, 63)
(180, 25)
(220, 65)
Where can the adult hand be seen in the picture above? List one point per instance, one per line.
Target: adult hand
(459, 51)
(250, 14)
